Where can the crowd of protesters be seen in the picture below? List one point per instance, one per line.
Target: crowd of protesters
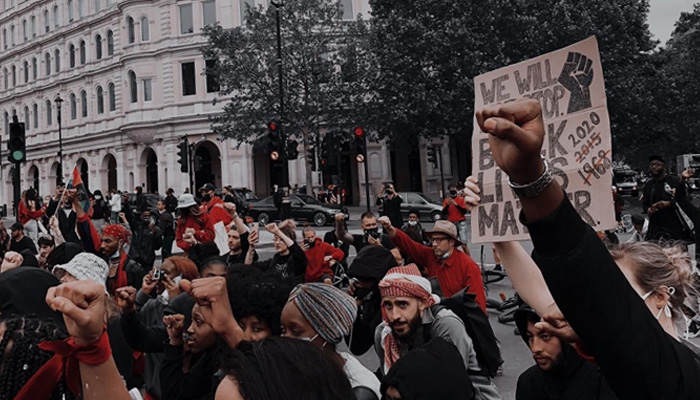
(87, 310)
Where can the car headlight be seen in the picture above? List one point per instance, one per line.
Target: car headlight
(634, 187)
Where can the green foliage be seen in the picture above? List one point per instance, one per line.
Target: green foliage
(321, 83)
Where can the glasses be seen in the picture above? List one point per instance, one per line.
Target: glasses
(438, 240)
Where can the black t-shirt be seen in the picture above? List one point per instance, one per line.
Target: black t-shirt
(359, 241)
(24, 244)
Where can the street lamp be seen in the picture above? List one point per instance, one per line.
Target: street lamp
(59, 179)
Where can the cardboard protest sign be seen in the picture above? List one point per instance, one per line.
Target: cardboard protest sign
(569, 85)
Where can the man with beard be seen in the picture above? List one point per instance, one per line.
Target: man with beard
(19, 241)
(560, 372)
(453, 269)
(661, 194)
(411, 319)
(123, 271)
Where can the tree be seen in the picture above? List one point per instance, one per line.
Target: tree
(323, 58)
(429, 51)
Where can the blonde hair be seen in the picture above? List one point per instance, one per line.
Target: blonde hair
(657, 265)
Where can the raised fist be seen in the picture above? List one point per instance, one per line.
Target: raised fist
(576, 76)
(83, 306)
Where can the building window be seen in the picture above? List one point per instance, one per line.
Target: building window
(33, 26)
(130, 29)
(35, 119)
(26, 72)
(100, 100)
(189, 86)
(84, 103)
(98, 47)
(71, 55)
(6, 78)
(26, 118)
(35, 68)
(245, 5)
(81, 8)
(57, 60)
(147, 90)
(47, 21)
(186, 22)
(73, 107)
(208, 12)
(132, 87)
(98, 5)
(110, 43)
(145, 30)
(4, 38)
(212, 81)
(70, 11)
(14, 76)
(47, 63)
(83, 52)
(7, 123)
(12, 35)
(24, 29)
(56, 17)
(48, 113)
(112, 97)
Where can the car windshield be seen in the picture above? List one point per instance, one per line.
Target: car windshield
(308, 199)
(626, 178)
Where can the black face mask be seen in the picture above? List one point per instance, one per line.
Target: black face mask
(373, 232)
(206, 197)
(362, 293)
(453, 193)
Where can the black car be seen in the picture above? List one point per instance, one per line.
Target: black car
(304, 208)
(243, 198)
(429, 209)
(151, 198)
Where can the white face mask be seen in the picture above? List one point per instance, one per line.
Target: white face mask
(413, 223)
(665, 309)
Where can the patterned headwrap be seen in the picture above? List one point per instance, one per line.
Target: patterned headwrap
(116, 231)
(402, 282)
(329, 310)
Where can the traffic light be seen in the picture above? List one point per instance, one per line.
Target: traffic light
(17, 145)
(183, 157)
(292, 152)
(360, 144)
(432, 156)
(274, 144)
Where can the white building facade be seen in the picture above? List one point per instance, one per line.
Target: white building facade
(130, 74)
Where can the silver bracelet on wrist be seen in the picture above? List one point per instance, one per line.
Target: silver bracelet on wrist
(536, 187)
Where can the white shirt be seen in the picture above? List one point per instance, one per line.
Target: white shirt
(359, 375)
(116, 203)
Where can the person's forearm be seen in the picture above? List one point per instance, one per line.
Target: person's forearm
(103, 382)
(536, 208)
(289, 242)
(525, 276)
(240, 225)
(250, 255)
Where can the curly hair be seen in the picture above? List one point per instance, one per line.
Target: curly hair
(300, 370)
(23, 358)
(259, 294)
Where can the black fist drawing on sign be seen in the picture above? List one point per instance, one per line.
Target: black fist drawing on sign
(576, 76)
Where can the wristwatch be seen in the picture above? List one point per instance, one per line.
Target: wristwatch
(535, 188)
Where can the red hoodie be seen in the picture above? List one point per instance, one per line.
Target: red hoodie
(317, 268)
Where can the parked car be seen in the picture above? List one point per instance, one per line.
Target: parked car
(151, 199)
(429, 209)
(244, 197)
(303, 208)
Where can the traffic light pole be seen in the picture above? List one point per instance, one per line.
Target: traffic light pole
(367, 180)
(16, 189)
(442, 174)
(190, 162)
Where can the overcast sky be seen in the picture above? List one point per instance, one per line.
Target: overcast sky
(664, 14)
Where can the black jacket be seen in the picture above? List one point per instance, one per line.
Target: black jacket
(144, 241)
(636, 356)
(665, 223)
(291, 265)
(195, 384)
(392, 208)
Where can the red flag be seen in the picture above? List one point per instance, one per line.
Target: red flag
(76, 182)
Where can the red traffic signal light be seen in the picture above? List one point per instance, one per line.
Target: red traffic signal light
(272, 126)
(359, 131)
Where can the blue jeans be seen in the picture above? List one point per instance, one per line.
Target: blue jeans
(462, 231)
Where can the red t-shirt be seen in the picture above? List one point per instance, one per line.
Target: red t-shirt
(453, 213)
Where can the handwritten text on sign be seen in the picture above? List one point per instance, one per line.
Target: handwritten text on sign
(569, 85)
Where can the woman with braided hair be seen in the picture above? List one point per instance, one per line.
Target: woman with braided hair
(21, 354)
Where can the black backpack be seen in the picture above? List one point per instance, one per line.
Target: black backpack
(478, 328)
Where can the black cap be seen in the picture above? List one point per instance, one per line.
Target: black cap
(17, 226)
(656, 158)
(207, 187)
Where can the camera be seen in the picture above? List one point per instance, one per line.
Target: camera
(157, 274)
